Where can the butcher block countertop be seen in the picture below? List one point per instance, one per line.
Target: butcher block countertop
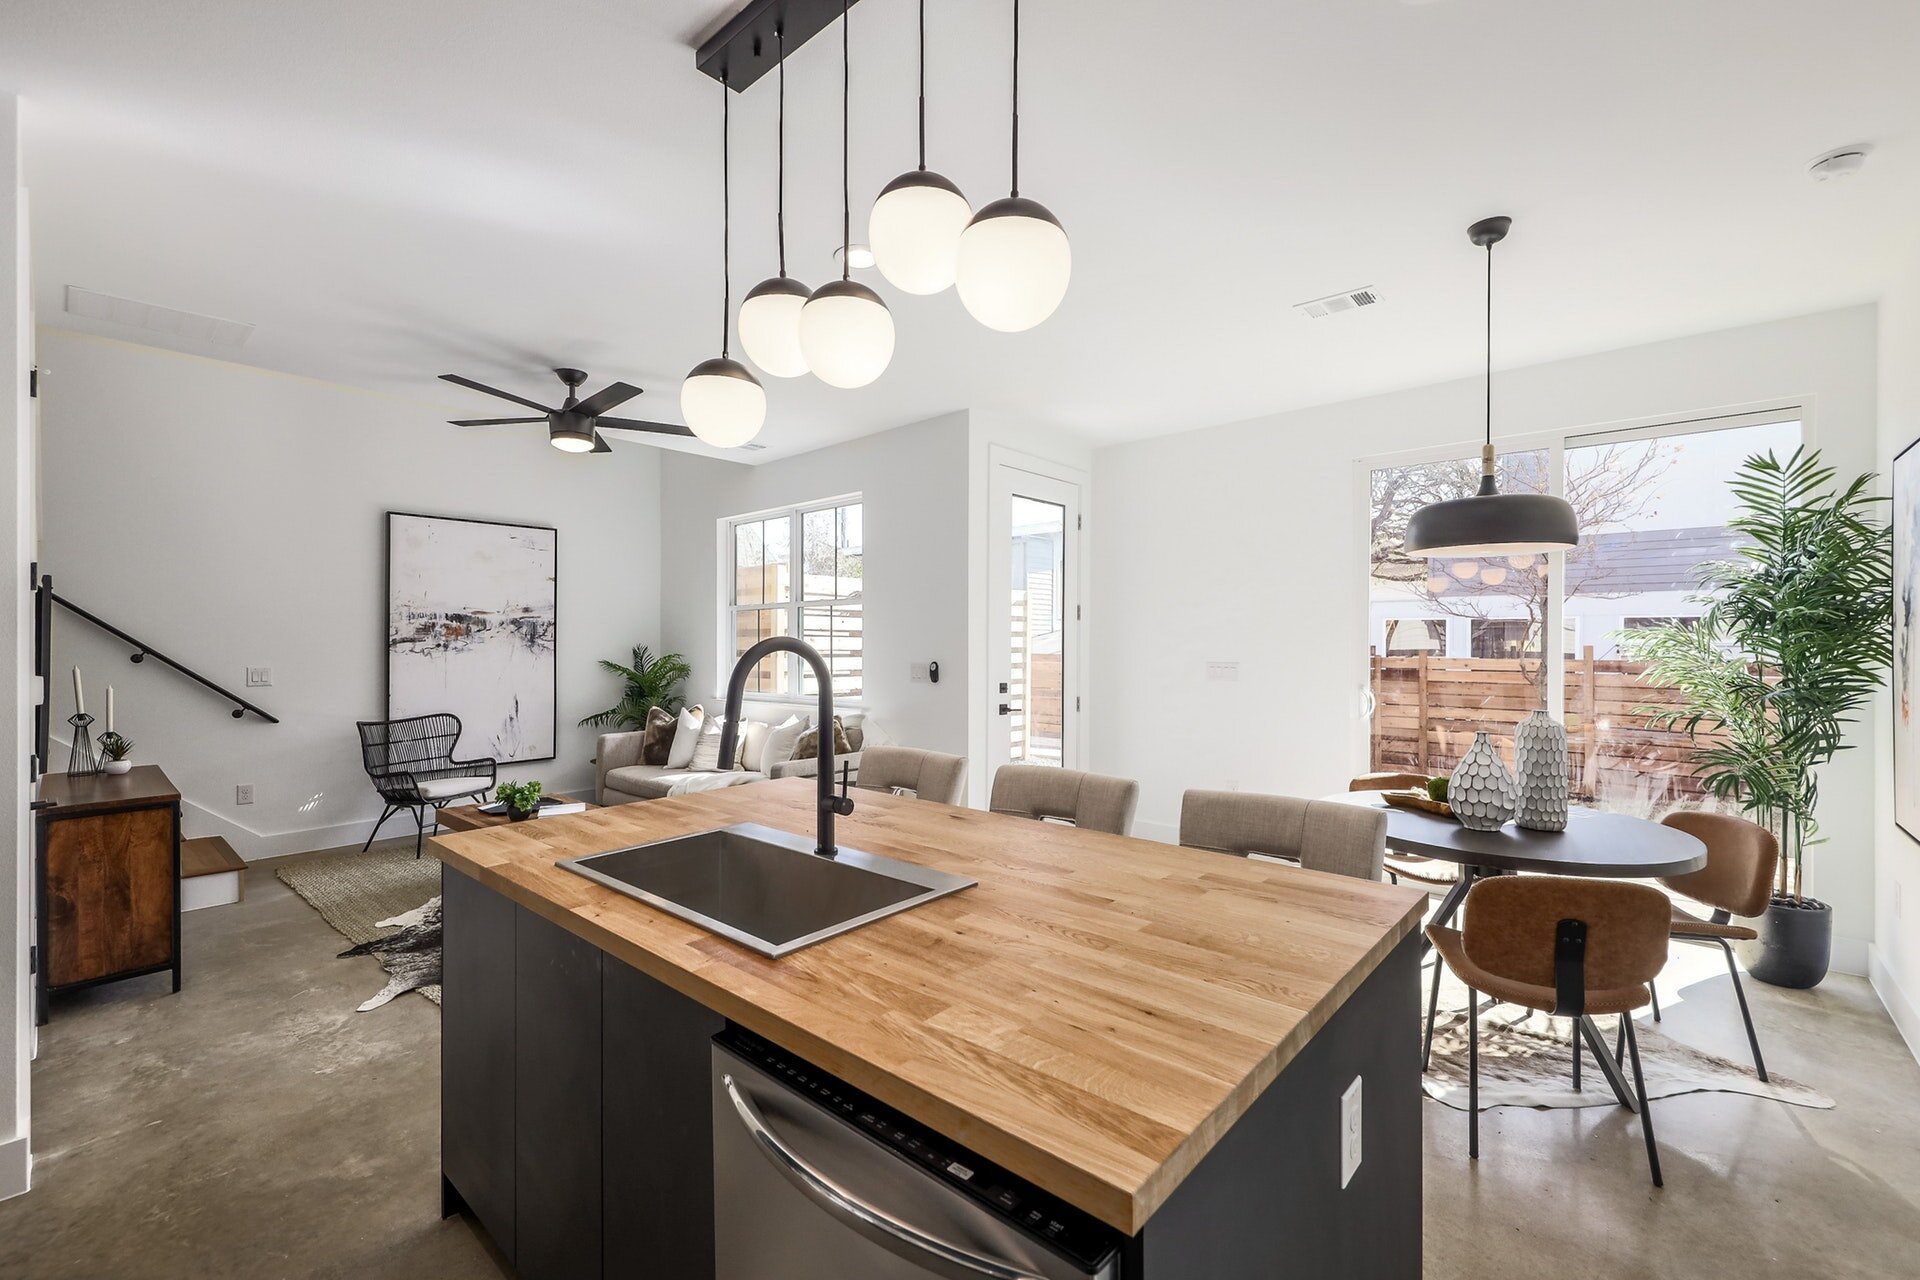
(1094, 1015)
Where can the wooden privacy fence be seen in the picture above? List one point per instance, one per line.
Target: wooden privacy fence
(1428, 709)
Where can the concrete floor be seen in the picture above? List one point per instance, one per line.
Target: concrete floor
(255, 1126)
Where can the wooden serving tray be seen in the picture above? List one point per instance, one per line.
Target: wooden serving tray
(1411, 799)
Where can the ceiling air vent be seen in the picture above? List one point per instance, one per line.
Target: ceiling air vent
(1335, 303)
(155, 318)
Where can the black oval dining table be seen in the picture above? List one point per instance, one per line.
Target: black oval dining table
(1595, 843)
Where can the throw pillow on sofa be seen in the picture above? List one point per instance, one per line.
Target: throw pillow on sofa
(809, 742)
(706, 751)
(752, 744)
(778, 746)
(686, 737)
(657, 744)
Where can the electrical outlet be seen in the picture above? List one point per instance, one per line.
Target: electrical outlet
(259, 677)
(243, 794)
(1350, 1132)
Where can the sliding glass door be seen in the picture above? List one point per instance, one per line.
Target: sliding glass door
(1461, 645)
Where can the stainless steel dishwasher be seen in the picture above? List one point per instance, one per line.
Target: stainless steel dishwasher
(814, 1180)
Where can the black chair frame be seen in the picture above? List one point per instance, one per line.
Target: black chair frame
(401, 755)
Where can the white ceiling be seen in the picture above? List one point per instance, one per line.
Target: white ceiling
(393, 191)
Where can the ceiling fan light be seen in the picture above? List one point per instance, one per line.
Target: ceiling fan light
(570, 434)
(915, 230)
(1014, 264)
(846, 333)
(770, 326)
(723, 403)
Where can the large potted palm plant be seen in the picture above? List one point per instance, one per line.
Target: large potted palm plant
(1797, 635)
(650, 682)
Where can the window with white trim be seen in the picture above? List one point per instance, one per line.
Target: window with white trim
(798, 571)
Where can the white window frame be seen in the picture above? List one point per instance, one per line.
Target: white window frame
(796, 549)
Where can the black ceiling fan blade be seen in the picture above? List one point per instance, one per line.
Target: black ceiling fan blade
(490, 422)
(600, 444)
(457, 380)
(608, 397)
(653, 428)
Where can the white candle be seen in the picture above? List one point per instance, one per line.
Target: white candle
(79, 702)
(109, 708)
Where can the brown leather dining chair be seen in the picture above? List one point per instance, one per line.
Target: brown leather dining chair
(1564, 946)
(1406, 866)
(1737, 881)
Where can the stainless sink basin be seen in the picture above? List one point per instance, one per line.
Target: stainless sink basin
(763, 888)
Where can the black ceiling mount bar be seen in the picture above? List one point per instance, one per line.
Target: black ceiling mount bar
(143, 650)
(747, 48)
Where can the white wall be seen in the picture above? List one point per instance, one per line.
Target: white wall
(1246, 543)
(236, 518)
(16, 700)
(914, 481)
(1895, 965)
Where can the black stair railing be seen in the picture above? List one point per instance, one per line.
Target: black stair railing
(142, 651)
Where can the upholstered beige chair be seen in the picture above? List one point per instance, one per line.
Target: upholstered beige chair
(1090, 800)
(1320, 835)
(1562, 945)
(929, 775)
(1737, 881)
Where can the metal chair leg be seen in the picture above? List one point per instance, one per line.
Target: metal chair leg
(1433, 1007)
(1746, 1015)
(1640, 1088)
(385, 813)
(1620, 1047)
(1576, 1059)
(420, 829)
(1655, 994)
(1473, 1074)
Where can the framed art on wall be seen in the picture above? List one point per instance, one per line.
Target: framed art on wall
(472, 621)
(1906, 645)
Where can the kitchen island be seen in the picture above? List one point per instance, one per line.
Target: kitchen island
(1160, 1038)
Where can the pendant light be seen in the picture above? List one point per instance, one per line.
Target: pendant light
(770, 316)
(721, 400)
(1492, 523)
(1014, 258)
(916, 223)
(846, 331)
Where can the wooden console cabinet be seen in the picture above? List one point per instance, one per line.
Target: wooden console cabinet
(108, 882)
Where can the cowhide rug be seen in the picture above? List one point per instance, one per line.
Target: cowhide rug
(410, 956)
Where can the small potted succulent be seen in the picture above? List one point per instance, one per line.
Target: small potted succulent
(521, 798)
(114, 753)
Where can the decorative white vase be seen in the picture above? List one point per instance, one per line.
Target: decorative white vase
(117, 766)
(1540, 758)
(1482, 792)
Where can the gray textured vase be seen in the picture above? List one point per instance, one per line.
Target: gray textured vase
(1482, 791)
(1540, 758)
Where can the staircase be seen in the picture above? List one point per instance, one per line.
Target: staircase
(211, 873)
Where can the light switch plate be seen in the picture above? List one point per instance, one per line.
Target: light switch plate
(917, 673)
(1350, 1133)
(243, 793)
(259, 677)
(1223, 671)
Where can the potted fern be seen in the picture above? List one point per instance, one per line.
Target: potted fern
(650, 682)
(522, 799)
(1797, 635)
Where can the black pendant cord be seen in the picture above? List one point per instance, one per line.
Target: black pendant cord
(1489, 346)
(780, 197)
(923, 86)
(726, 212)
(1014, 185)
(846, 183)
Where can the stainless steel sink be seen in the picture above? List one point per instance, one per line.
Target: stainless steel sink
(763, 888)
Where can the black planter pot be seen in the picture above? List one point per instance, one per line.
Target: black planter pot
(518, 815)
(1795, 944)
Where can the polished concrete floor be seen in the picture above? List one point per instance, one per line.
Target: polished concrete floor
(255, 1126)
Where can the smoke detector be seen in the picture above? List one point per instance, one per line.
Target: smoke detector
(1335, 303)
(1841, 163)
(152, 316)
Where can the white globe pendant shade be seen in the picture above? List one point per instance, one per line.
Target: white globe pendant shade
(846, 333)
(770, 326)
(915, 231)
(723, 403)
(1014, 265)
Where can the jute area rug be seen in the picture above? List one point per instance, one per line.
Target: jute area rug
(386, 902)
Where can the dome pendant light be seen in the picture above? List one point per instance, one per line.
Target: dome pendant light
(1492, 523)
(846, 331)
(770, 316)
(723, 403)
(916, 223)
(1014, 260)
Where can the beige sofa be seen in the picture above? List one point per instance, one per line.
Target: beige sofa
(623, 779)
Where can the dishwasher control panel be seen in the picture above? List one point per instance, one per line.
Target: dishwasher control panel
(1078, 1236)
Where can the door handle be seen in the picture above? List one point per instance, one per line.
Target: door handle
(870, 1220)
(1007, 710)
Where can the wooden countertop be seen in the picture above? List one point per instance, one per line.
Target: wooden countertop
(143, 784)
(1094, 1015)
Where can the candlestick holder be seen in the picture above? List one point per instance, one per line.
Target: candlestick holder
(81, 760)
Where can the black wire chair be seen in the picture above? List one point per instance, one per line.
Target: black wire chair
(411, 765)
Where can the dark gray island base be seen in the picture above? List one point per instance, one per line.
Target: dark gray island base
(578, 1121)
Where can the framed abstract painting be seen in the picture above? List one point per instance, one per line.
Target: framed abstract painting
(472, 616)
(1906, 644)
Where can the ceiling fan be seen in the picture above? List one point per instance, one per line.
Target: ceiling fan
(576, 425)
